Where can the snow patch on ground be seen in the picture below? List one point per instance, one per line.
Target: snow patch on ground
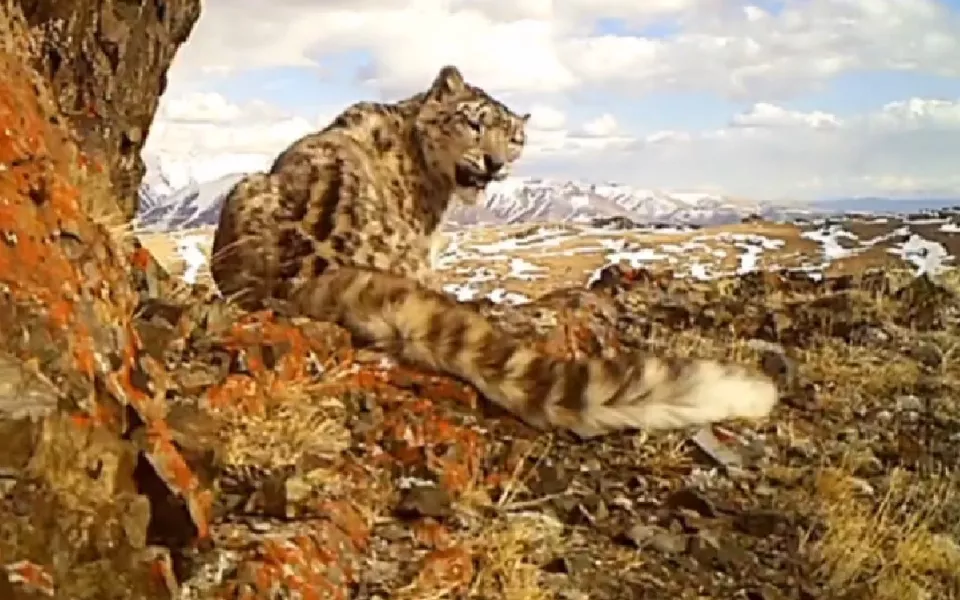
(188, 248)
(829, 240)
(929, 257)
(485, 267)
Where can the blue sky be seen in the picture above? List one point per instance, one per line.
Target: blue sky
(693, 71)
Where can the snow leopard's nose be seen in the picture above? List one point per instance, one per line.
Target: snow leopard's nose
(492, 164)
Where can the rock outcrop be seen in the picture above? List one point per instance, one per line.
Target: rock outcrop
(106, 62)
(89, 464)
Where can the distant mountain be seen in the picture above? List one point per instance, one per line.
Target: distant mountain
(183, 194)
(516, 200)
(196, 205)
(873, 204)
(522, 200)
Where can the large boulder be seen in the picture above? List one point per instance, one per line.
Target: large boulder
(89, 465)
(106, 61)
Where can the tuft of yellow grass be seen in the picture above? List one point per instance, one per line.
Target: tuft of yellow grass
(506, 551)
(889, 545)
(499, 561)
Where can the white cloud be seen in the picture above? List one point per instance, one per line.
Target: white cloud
(767, 151)
(548, 56)
(547, 45)
(918, 113)
(904, 148)
(603, 126)
(198, 107)
(768, 115)
(546, 118)
(219, 137)
(208, 123)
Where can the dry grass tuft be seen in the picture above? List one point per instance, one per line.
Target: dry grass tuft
(855, 372)
(887, 545)
(501, 560)
(297, 419)
(508, 569)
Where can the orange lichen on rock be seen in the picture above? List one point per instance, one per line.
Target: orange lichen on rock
(278, 356)
(319, 562)
(173, 470)
(351, 523)
(431, 534)
(236, 392)
(30, 578)
(40, 213)
(418, 432)
(68, 302)
(35, 203)
(432, 386)
(448, 570)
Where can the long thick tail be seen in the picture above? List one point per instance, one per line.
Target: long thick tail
(590, 397)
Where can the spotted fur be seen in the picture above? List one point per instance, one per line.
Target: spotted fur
(342, 226)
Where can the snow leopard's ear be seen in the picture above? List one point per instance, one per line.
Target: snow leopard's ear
(524, 117)
(449, 82)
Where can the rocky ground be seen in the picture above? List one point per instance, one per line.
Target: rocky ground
(161, 444)
(330, 469)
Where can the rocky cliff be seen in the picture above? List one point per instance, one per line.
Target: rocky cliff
(159, 443)
(88, 458)
(106, 64)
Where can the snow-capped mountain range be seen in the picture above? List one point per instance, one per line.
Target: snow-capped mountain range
(179, 194)
(174, 199)
(531, 199)
(197, 204)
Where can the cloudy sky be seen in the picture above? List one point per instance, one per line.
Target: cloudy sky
(771, 99)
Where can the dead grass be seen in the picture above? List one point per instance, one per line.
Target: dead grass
(880, 543)
(871, 258)
(571, 259)
(284, 433)
(854, 373)
(502, 559)
(885, 540)
(163, 247)
(867, 230)
(506, 569)
(950, 280)
(886, 543)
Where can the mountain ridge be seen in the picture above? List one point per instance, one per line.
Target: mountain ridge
(515, 200)
(197, 201)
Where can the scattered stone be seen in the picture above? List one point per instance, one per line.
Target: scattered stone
(778, 366)
(656, 537)
(424, 501)
(909, 403)
(721, 453)
(551, 479)
(718, 552)
(569, 564)
(760, 523)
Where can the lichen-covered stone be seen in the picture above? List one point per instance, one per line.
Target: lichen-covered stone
(106, 62)
(81, 505)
